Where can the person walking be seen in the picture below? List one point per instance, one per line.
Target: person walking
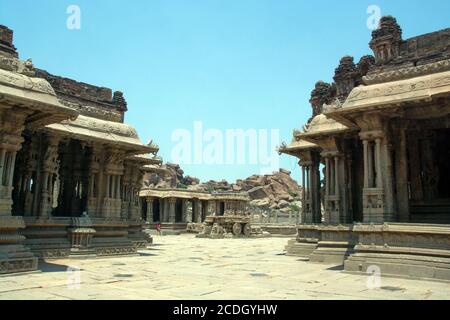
(158, 227)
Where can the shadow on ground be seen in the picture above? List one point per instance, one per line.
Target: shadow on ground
(336, 268)
(51, 267)
(146, 254)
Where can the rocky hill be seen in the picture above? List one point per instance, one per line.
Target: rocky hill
(276, 191)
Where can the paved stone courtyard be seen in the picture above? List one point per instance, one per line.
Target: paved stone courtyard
(183, 267)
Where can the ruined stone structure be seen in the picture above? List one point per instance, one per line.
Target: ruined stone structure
(181, 209)
(375, 156)
(174, 208)
(70, 169)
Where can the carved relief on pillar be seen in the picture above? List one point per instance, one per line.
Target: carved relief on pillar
(36, 175)
(149, 209)
(337, 176)
(165, 210)
(197, 210)
(138, 175)
(49, 176)
(189, 211)
(307, 192)
(334, 191)
(25, 176)
(184, 210)
(403, 187)
(11, 126)
(14, 256)
(113, 169)
(131, 183)
(94, 181)
(172, 213)
(73, 182)
(376, 207)
(431, 174)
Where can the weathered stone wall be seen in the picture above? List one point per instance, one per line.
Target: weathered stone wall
(89, 100)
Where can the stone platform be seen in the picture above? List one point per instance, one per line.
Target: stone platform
(184, 267)
(395, 249)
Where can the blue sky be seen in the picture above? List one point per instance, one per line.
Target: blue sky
(232, 64)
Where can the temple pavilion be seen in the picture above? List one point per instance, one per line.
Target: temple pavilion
(70, 168)
(375, 160)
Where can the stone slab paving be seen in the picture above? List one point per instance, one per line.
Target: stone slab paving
(184, 267)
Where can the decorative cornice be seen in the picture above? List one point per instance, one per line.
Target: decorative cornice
(94, 111)
(21, 81)
(385, 89)
(407, 72)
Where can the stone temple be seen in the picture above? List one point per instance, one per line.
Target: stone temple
(375, 159)
(70, 168)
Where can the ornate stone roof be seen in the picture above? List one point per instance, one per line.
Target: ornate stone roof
(175, 193)
(147, 159)
(412, 70)
(109, 132)
(194, 194)
(19, 87)
(236, 196)
(26, 88)
(297, 145)
(383, 95)
(321, 125)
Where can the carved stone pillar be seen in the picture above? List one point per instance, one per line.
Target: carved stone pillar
(205, 209)
(377, 193)
(172, 212)
(112, 194)
(200, 210)
(414, 167)
(50, 168)
(303, 217)
(107, 187)
(14, 256)
(188, 208)
(402, 177)
(307, 214)
(337, 209)
(2, 164)
(165, 211)
(370, 166)
(366, 161)
(9, 146)
(327, 215)
(379, 183)
(149, 209)
(336, 175)
(327, 176)
(96, 181)
(114, 167)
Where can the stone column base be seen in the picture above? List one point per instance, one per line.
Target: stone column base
(14, 256)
